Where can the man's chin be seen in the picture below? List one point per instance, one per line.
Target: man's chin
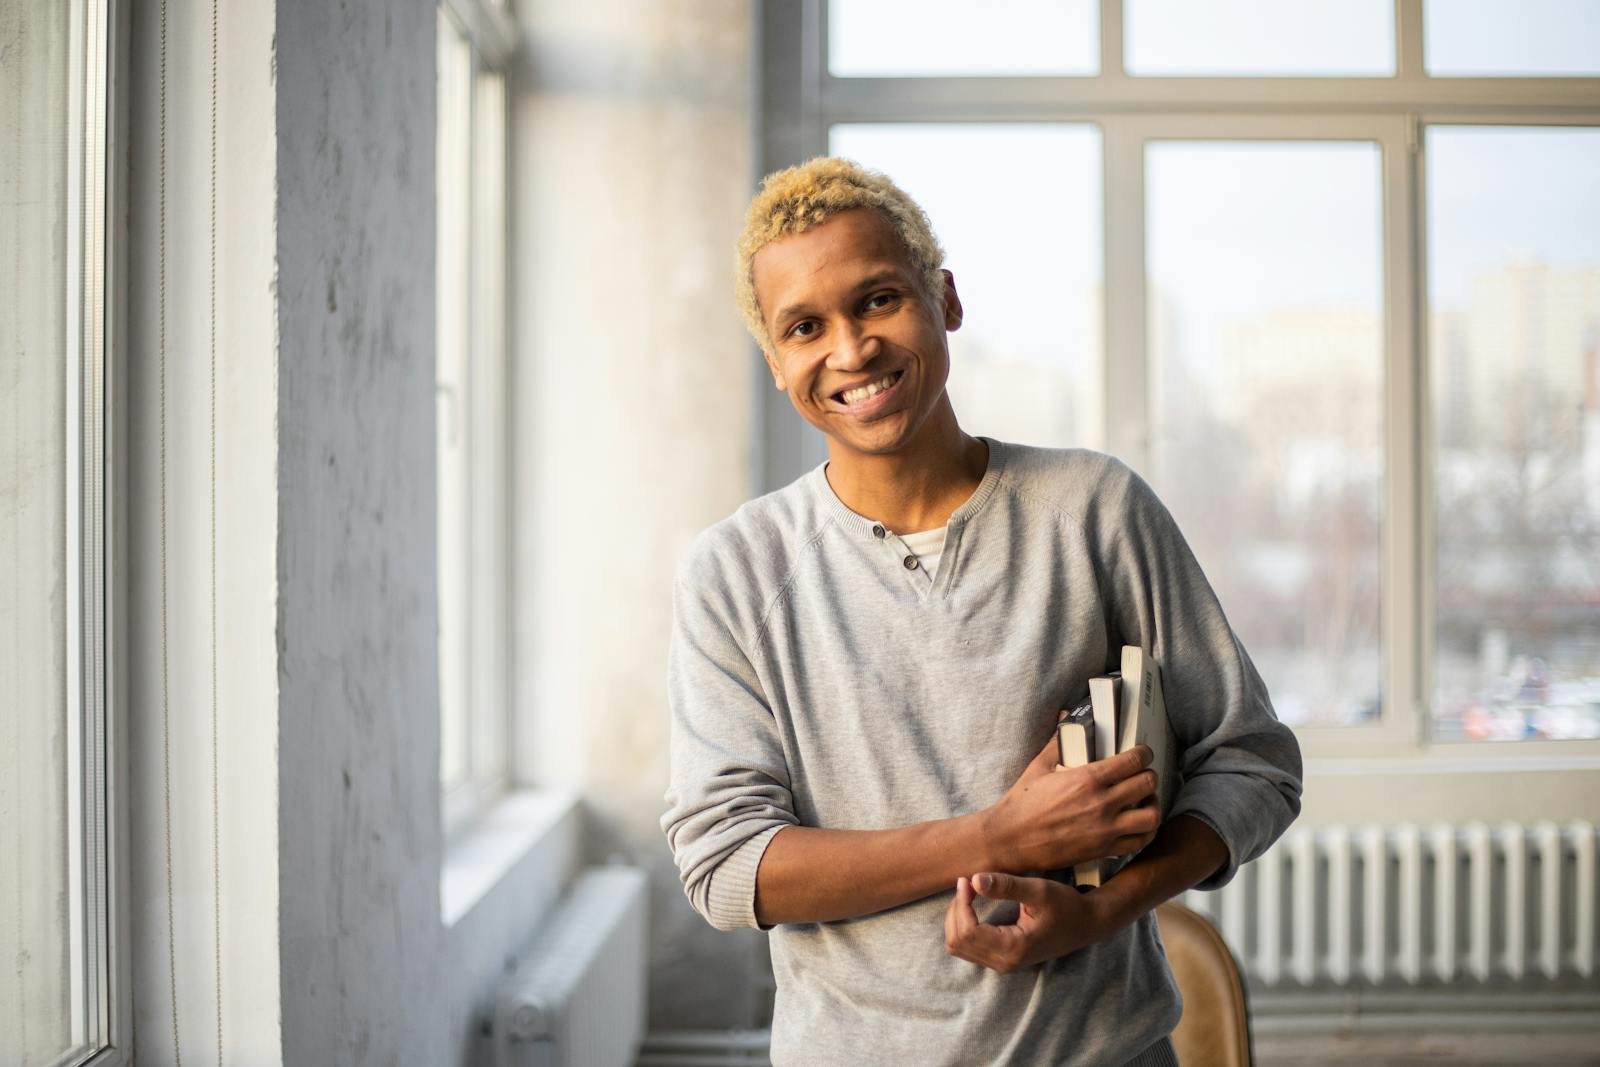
(871, 444)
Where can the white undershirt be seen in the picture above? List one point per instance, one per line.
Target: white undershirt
(927, 546)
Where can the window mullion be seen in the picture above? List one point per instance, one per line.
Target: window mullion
(1126, 429)
(1408, 41)
(1405, 475)
(1112, 48)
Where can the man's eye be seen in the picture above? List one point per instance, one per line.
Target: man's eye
(802, 329)
(880, 300)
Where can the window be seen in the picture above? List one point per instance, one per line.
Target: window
(1316, 260)
(473, 450)
(868, 38)
(56, 989)
(1259, 38)
(1266, 374)
(1527, 38)
(1514, 361)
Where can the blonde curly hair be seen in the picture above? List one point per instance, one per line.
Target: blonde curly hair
(809, 194)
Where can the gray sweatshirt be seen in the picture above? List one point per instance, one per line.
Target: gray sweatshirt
(816, 679)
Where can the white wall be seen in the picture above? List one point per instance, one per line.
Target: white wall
(633, 394)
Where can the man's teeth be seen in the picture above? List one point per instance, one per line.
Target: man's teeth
(866, 392)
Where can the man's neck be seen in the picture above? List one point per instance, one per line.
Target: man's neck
(916, 488)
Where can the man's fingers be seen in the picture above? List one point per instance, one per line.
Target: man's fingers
(959, 922)
(1139, 819)
(1131, 791)
(1011, 887)
(963, 918)
(976, 942)
(1127, 846)
(1114, 769)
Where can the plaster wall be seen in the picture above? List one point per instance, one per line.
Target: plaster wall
(358, 821)
(631, 419)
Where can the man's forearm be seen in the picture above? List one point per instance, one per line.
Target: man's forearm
(808, 874)
(1184, 853)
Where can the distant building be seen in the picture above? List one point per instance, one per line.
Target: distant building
(1526, 329)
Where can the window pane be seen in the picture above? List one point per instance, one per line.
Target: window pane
(878, 38)
(1514, 363)
(36, 892)
(1266, 344)
(1489, 38)
(1025, 364)
(1327, 38)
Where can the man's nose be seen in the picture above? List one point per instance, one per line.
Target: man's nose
(855, 348)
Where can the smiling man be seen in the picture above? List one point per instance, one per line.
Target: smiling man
(867, 668)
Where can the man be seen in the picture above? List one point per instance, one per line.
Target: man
(867, 668)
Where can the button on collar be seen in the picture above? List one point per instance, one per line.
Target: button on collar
(878, 531)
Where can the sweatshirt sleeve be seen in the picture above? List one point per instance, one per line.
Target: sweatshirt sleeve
(1241, 767)
(728, 792)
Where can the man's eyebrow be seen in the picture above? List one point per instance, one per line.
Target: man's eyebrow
(876, 278)
(792, 309)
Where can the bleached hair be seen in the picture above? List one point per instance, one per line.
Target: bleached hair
(800, 197)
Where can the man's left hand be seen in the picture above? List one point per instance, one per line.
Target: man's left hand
(1054, 919)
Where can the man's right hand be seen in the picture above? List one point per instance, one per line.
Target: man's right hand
(1055, 816)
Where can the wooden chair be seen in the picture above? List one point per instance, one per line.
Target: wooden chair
(1215, 1028)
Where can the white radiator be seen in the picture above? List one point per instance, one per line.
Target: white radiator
(577, 997)
(1374, 905)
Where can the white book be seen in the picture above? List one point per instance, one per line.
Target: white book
(1103, 696)
(1075, 733)
(1143, 713)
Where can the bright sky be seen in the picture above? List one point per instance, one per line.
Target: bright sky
(1497, 196)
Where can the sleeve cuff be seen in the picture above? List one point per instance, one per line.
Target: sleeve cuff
(1204, 803)
(731, 893)
(1225, 873)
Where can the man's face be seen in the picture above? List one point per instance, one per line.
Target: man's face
(857, 345)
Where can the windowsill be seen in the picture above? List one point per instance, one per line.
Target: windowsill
(1443, 761)
(520, 827)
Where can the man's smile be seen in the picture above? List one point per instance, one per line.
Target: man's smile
(868, 398)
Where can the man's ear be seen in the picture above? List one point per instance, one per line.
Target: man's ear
(952, 302)
(777, 375)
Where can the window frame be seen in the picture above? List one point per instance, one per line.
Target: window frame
(490, 34)
(116, 432)
(801, 100)
(95, 499)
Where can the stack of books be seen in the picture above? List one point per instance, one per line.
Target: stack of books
(1125, 708)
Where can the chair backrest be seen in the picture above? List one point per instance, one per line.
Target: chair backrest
(1215, 1028)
